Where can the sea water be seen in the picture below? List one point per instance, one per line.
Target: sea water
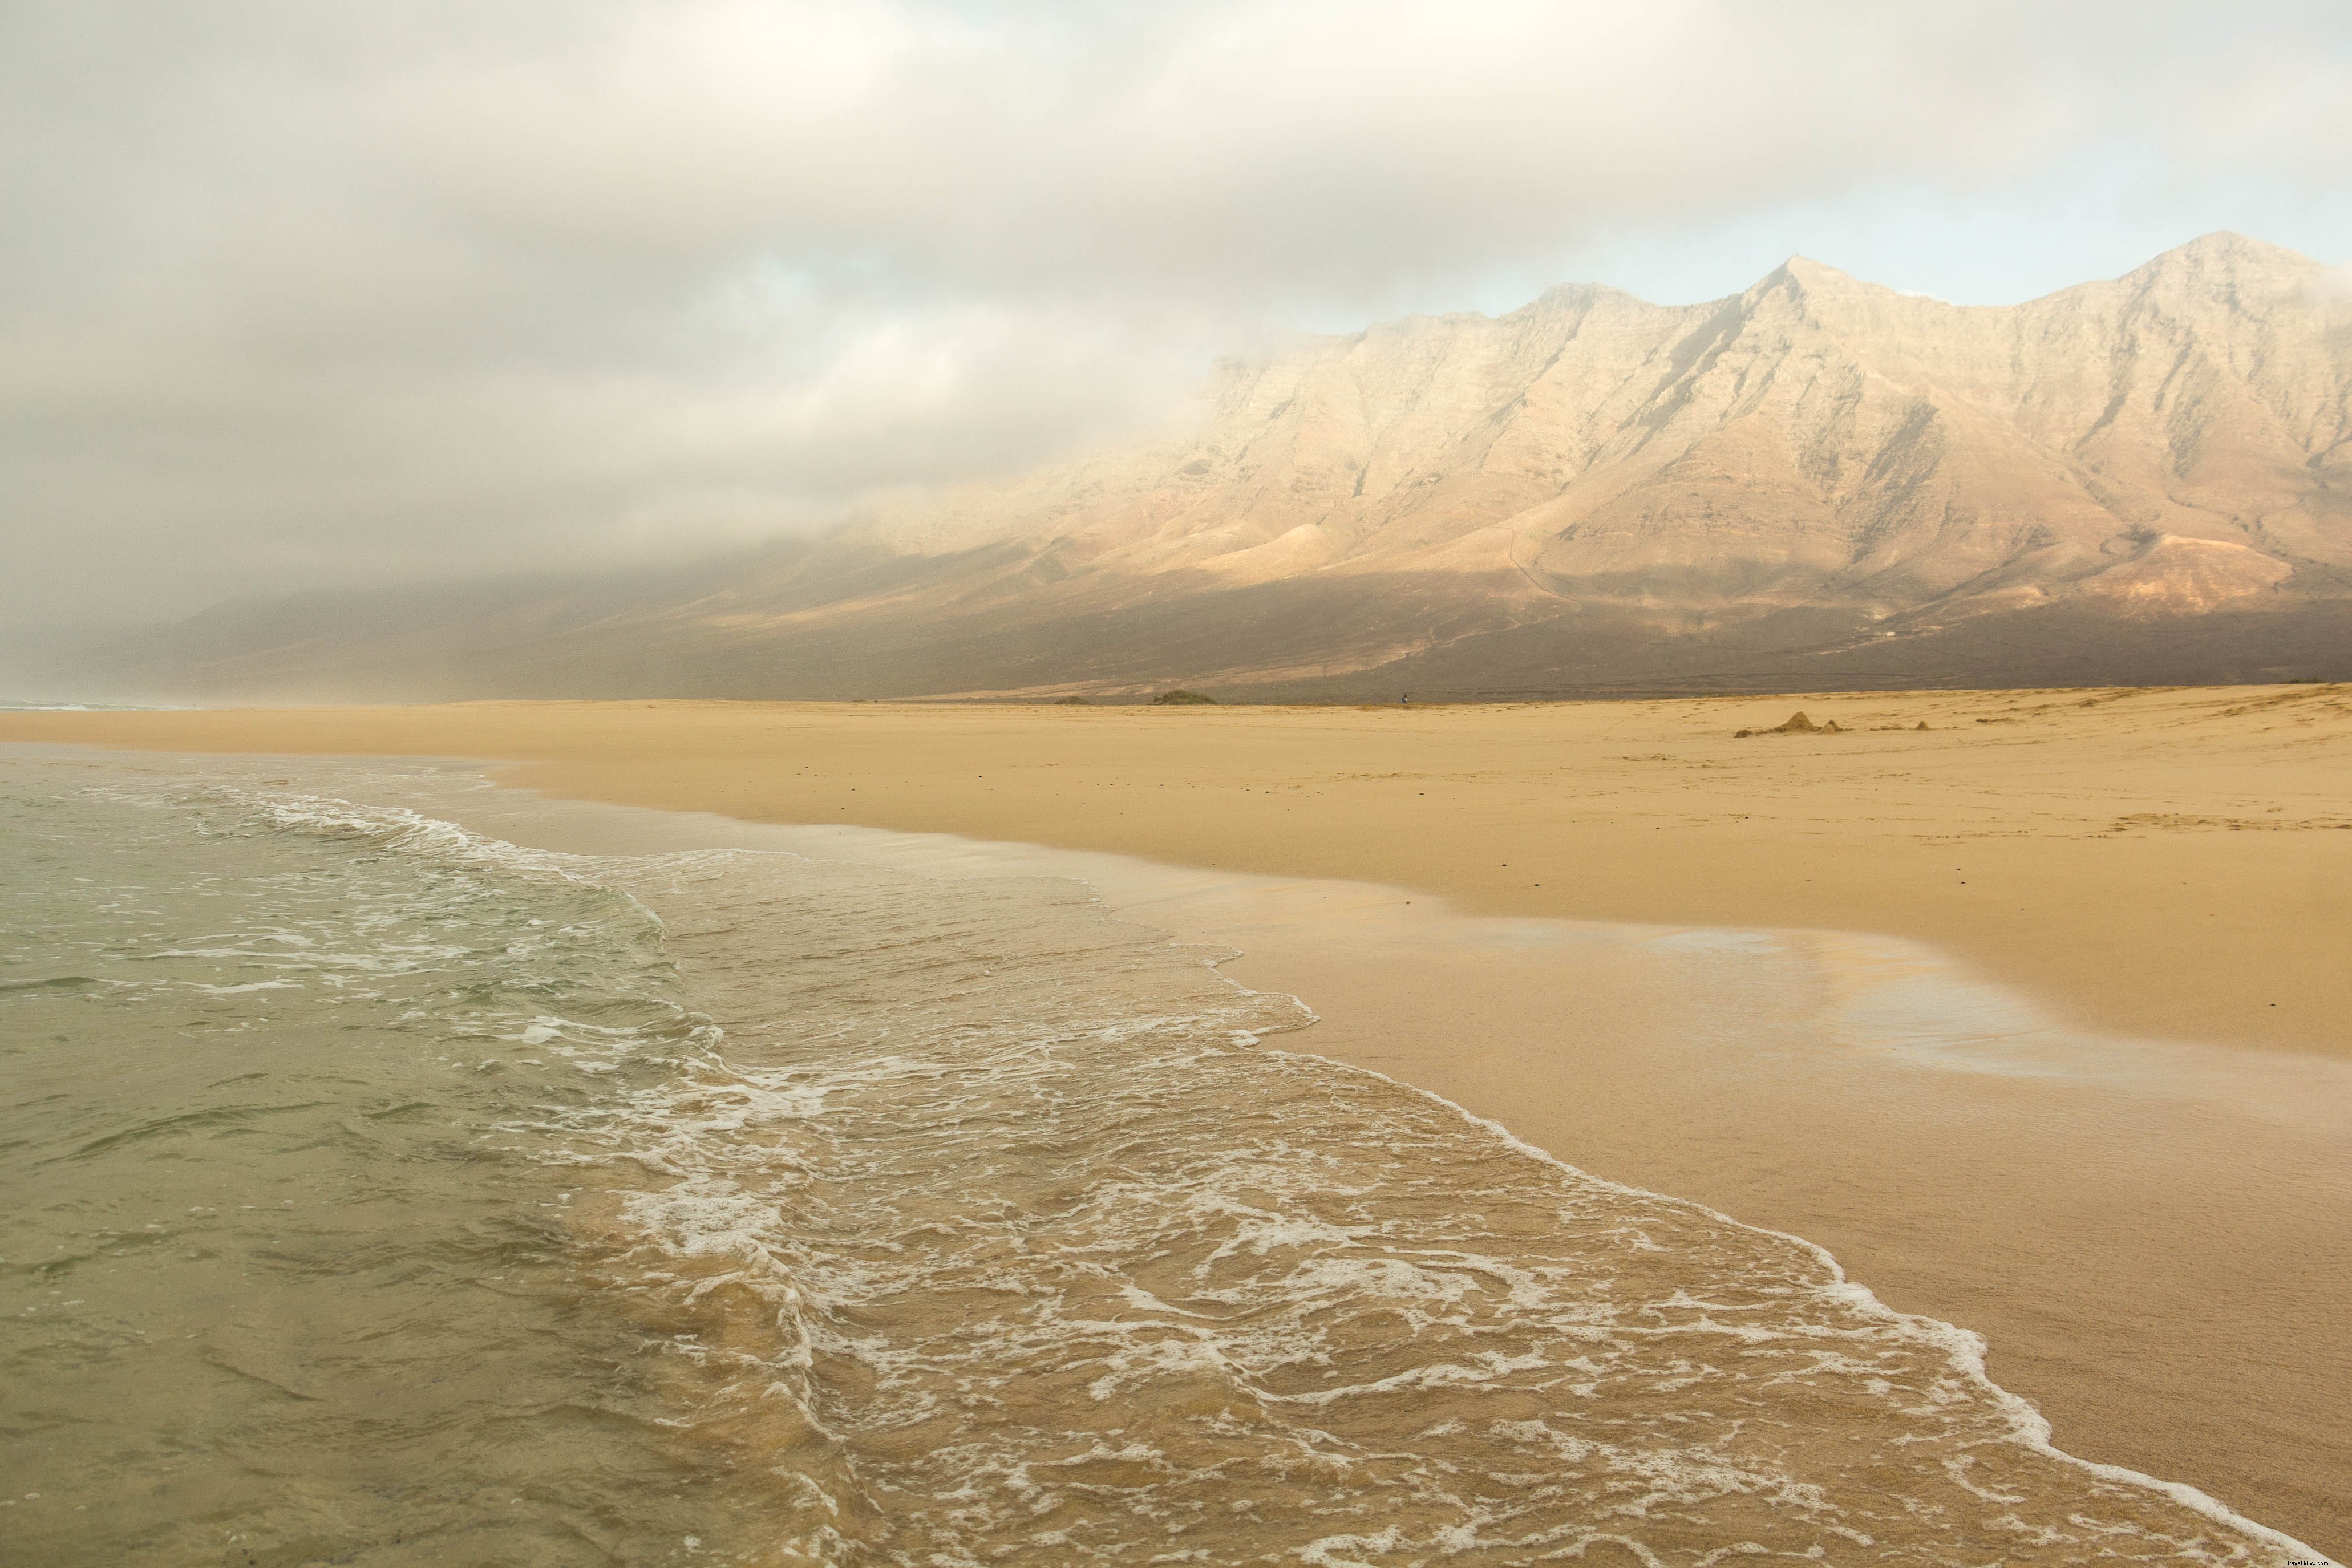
(378, 1191)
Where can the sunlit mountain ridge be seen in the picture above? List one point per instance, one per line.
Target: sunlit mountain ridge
(1817, 482)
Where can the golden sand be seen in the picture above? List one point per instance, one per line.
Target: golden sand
(2157, 1251)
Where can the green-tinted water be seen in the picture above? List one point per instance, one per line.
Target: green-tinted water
(281, 1288)
(382, 1194)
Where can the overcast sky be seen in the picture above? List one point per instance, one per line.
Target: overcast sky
(306, 292)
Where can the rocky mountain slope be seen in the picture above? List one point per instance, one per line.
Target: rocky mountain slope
(1819, 482)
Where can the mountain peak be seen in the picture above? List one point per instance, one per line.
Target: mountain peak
(2229, 242)
(1813, 277)
(1808, 271)
(2226, 251)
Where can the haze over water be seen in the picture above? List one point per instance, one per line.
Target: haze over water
(386, 1192)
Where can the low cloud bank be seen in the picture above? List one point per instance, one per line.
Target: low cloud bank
(294, 295)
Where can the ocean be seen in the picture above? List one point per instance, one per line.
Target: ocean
(381, 1192)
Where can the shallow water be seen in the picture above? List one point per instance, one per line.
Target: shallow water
(384, 1193)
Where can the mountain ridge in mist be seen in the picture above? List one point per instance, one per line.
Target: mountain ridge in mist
(1816, 482)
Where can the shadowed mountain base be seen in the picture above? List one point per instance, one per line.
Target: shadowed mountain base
(1266, 642)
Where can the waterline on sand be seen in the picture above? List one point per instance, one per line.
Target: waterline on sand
(800, 1210)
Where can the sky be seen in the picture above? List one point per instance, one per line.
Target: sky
(300, 295)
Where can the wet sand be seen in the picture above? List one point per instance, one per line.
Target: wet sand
(2125, 1161)
(2172, 862)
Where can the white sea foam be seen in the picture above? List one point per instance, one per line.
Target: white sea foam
(985, 1226)
(1037, 1202)
(1965, 1349)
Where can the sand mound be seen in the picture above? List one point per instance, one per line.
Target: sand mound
(1179, 697)
(1795, 723)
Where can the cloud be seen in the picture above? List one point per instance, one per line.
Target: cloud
(294, 294)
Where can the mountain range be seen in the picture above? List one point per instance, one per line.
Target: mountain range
(1818, 482)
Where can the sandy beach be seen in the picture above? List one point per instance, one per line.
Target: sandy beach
(2170, 863)
(2120, 1153)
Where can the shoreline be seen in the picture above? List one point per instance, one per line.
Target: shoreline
(2168, 863)
(1915, 1169)
(2135, 1223)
